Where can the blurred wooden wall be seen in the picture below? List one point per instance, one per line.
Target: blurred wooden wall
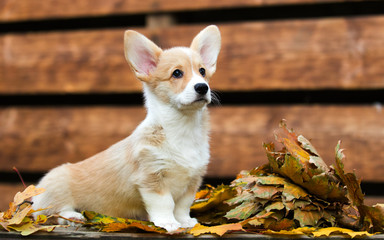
(66, 91)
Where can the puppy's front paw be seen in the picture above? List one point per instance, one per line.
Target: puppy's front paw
(188, 222)
(170, 226)
(76, 218)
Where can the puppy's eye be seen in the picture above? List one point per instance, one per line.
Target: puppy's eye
(177, 73)
(202, 72)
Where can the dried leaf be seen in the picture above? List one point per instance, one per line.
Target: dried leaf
(204, 193)
(30, 191)
(218, 196)
(275, 206)
(29, 228)
(336, 230)
(265, 192)
(114, 224)
(292, 191)
(301, 163)
(243, 211)
(296, 231)
(219, 230)
(98, 219)
(375, 217)
(307, 218)
(117, 227)
(19, 216)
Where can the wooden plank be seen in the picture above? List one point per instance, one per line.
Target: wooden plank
(21, 10)
(373, 200)
(7, 192)
(299, 54)
(73, 233)
(37, 139)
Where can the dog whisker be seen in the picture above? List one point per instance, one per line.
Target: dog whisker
(215, 98)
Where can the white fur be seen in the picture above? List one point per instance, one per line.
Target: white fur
(154, 173)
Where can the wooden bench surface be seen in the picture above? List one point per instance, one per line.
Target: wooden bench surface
(85, 234)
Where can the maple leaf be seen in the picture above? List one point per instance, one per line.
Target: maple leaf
(300, 162)
(219, 230)
(369, 217)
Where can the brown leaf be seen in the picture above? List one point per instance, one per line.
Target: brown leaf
(243, 211)
(375, 216)
(301, 163)
(307, 218)
(118, 226)
(219, 230)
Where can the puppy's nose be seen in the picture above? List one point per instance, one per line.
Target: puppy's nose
(201, 88)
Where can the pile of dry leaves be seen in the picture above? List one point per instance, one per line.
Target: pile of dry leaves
(295, 193)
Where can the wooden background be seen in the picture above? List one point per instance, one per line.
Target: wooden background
(66, 91)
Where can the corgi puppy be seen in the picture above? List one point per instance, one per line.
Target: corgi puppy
(155, 172)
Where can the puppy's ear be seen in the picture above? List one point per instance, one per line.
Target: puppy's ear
(141, 54)
(207, 43)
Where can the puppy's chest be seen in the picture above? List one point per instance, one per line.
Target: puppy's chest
(190, 151)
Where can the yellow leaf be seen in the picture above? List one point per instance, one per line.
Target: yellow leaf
(30, 191)
(19, 216)
(41, 219)
(219, 230)
(219, 195)
(336, 230)
(296, 231)
(29, 228)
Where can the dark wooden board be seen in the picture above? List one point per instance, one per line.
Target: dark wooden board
(38, 139)
(335, 53)
(86, 234)
(21, 10)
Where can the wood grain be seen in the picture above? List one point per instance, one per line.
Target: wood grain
(21, 10)
(38, 139)
(299, 54)
(7, 192)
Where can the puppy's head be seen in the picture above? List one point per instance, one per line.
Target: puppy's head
(178, 76)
